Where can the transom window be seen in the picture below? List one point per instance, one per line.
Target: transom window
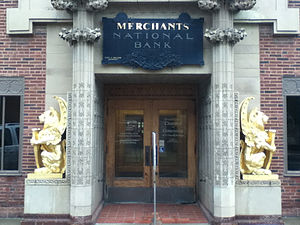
(291, 92)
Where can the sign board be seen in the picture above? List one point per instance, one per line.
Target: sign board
(152, 44)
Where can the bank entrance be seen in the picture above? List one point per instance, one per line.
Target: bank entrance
(129, 163)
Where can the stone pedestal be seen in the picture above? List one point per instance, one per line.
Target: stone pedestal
(46, 197)
(46, 200)
(258, 200)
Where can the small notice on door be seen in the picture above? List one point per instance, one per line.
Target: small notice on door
(161, 146)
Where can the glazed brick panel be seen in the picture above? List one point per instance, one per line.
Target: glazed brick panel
(22, 56)
(279, 57)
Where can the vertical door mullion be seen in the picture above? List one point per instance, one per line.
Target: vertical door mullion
(155, 128)
(147, 142)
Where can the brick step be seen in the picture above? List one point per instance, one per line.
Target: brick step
(150, 224)
(143, 213)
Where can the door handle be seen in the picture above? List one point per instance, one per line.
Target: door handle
(147, 155)
(156, 163)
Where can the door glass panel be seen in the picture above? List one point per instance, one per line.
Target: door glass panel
(172, 143)
(11, 138)
(129, 143)
(1, 128)
(293, 132)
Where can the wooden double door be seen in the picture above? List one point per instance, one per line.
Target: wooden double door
(129, 161)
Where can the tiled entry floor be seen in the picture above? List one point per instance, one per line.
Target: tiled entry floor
(143, 213)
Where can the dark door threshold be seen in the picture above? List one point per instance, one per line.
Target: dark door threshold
(145, 195)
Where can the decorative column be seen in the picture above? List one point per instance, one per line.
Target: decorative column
(84, 105)
(223, 37)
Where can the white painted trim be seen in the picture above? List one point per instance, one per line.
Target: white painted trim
(20, 20)
(286, 20)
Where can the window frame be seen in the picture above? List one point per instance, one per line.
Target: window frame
(14, 86)
(290, 87)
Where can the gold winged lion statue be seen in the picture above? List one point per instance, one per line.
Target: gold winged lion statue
(257, 144)
(49, 148)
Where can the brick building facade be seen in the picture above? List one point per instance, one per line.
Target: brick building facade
(24, 55)
(279, 57)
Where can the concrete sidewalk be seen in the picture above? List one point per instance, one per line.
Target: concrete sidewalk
(291, 220)
(10, 221)
(287, 221)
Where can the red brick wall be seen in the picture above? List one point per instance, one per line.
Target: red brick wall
(279, 57)
(22, 56)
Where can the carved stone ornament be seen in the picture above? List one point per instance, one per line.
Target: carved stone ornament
(230, 35)
(11, 85)
(75, 35)
(75, 4)
(209, 4)
(64, 4)
(97, 4)
(236, 5)
(290, 85)
(156, 62)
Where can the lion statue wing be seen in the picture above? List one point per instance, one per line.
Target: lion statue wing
(63, 114)
(246, 123)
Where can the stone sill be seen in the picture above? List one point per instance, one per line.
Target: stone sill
(291, 174)
(11, 174)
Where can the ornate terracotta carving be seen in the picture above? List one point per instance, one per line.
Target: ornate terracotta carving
(209, 4)
(75, 35)
(64, 4)
(230, 35)
(236, 5)
(97, 4)
(75, 4)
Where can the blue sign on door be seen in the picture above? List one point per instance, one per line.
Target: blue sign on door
(152, 44)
